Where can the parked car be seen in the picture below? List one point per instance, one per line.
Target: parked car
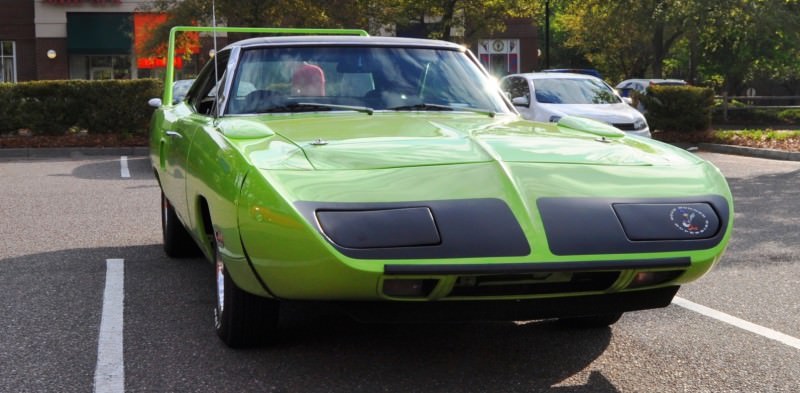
(391, 178)
(627, 88)
(548, 97)
(585, 71)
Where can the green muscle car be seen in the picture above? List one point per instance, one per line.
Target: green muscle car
(391, 177)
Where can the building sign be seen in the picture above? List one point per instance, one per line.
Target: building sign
(499, 56)
(157, 62)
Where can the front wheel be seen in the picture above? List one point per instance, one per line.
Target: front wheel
(591, 321)
(241, 319)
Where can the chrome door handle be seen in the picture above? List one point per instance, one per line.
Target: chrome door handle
(173, 134)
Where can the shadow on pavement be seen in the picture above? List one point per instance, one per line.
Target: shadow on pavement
(171, 344)
(52, 304)
(109, 169)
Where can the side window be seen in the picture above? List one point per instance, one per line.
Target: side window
(505, 86)
(203, 95)
(516, 87)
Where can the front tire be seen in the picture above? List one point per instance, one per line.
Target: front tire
(177, 241)
(241, 319)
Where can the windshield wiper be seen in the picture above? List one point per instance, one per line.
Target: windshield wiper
(314, 106)
(437, 107)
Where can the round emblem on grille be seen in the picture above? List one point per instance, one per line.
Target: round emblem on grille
(689, 220)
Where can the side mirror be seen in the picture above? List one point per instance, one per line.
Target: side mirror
(154, 102)
(520, 101)
(627, 100)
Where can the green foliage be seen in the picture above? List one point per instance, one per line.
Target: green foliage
(260, 13)
(53, 107)
(9, 108)
(791, 116)
(723, 44)
(766, 135)
(436, 17)
(739, 113)
(623, 38)
(678, 108)
(746, 116)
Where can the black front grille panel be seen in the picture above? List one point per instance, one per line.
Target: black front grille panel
(532, 284)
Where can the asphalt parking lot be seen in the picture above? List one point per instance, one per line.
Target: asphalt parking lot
(63, 219)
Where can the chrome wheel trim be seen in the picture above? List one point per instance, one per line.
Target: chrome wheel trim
(219, 267)
(164, 210)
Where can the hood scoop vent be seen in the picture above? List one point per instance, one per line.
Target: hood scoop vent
(603, 130)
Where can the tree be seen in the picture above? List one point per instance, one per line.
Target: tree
(626, 38)
(436, 17)
(439, 18)
(725, 43)
(740, 40)
(259, 13)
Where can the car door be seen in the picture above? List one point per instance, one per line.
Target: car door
(174, 147)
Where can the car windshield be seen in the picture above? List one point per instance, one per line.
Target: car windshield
(272, 80)
(573, 91)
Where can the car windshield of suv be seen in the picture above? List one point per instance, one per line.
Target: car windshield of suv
(300, 79)
(573, 91)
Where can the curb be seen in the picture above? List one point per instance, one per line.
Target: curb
(751, 151)
(73, 152)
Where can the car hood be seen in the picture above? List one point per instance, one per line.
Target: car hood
(392, 140)
(608, 113)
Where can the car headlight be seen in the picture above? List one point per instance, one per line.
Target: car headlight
(456, 228)
(633, 225)
(639, 124)
(667, 221)
(413, 226)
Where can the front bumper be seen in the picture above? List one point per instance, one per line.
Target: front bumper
(509, 310)
(645, 132)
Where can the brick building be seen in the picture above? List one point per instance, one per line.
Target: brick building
(77, 39)
(98, 39)
(512, 51)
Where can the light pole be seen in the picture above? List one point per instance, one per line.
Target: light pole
(547, 34)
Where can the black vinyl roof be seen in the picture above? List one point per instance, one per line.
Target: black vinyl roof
(336, 40)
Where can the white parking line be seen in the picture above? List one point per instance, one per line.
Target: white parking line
(740, 323)
(123, 163)
(109, 376)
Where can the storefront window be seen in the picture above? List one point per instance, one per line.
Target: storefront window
(100, 67)
(499, 56)
(8, 62)
(100, 45)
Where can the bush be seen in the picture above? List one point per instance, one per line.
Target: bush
(790, 116)
(678, 108)
(53, 107)
(740, 114)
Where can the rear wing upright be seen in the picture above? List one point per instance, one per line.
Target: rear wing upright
(170, 71)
